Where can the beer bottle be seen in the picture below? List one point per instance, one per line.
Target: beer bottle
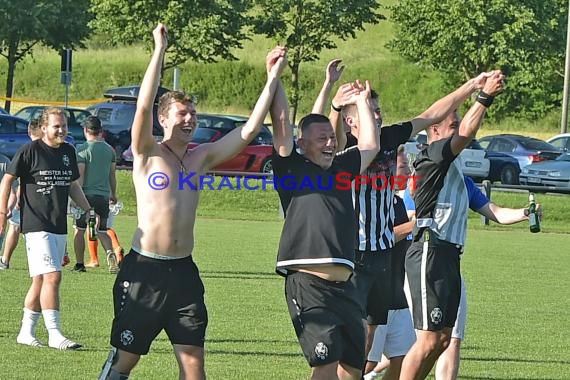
(533, 220)
(92, 224)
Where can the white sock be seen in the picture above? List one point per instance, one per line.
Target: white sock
(28, 330)
(371, 375)
(51, 320)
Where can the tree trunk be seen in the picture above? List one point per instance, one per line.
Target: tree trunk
(10, 75)
(295, 92)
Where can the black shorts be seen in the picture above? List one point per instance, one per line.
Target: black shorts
(150, 295)
(373, 281)
(101, 206)
(328, 321)
(433, 275)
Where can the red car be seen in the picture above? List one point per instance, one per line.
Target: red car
(255, 158)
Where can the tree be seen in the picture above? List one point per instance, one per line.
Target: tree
(26, 23)
(307, 27)
(200, 30)
(462, 38)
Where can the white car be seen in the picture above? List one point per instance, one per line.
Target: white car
(473, 161)
(561, 142)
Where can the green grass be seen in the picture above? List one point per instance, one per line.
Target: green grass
(517, 284)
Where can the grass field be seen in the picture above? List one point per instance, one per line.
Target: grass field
(517, 283)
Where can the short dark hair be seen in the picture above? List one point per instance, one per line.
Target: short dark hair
(173, 96)
(310, 119)
(93, 125)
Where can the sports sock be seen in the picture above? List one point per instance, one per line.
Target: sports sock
(28, 330)
(51, 320)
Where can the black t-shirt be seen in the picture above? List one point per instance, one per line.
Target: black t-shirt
(373, 204)
(398, 300)
(319, 216)
(45, 175)
(431, 165)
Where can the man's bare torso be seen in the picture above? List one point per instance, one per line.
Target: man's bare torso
(166, 206)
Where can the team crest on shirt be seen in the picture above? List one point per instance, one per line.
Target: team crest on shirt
(127, 337)
(66, 161)
(321, 350)
(436, 315)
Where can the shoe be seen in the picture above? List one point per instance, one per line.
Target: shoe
(67, 345)
(65, 260)
(79, 268)
(112, 263)
(4, 265)
(29, 341)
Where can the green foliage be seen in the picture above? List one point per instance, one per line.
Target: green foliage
(463, 38)
(198, 30)
(308, 27)
(26, 23)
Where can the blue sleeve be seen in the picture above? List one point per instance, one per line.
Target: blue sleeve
(476, 197)
(409, 201)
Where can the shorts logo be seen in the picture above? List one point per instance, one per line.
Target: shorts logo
(48, 260)
(436, 315)
(321, 350)
(127, 337)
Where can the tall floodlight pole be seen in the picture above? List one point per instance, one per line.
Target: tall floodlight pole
(564, 121)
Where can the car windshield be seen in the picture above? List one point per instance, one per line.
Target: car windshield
(535, 144)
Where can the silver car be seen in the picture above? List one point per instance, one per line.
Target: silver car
(553, 173)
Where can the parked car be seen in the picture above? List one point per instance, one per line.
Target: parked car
(554, 173)
(526, 150)
(3, 111)
(503, 168)
(254, 158)
(117, 115)
(14, 134)
(75, 119)
(473, 160)
(226, 123)
(562, 142)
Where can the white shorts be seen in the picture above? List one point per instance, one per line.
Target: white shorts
(45, 252)
(459, 327)
(15, 218)
(395, 338)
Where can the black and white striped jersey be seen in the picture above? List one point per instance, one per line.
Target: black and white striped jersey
(374, 205)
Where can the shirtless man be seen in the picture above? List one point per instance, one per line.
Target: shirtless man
(158, 286)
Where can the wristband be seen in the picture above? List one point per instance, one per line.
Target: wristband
(335, 108)
(526, 212)
(485, 99)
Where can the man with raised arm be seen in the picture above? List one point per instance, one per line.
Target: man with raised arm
(316, 253)
(158, 286)
(432, 261)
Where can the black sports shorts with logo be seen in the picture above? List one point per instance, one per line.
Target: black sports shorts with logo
(150, 295)
(434, 280)
(328, 319)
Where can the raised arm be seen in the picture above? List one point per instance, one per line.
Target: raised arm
(368, 136)
(332, 75)
(442, 107)
(141, 132)
(471, 122)
(282, 129)
(231, 144)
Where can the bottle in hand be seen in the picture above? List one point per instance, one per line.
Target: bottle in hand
(92, 224)
(533, 220)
